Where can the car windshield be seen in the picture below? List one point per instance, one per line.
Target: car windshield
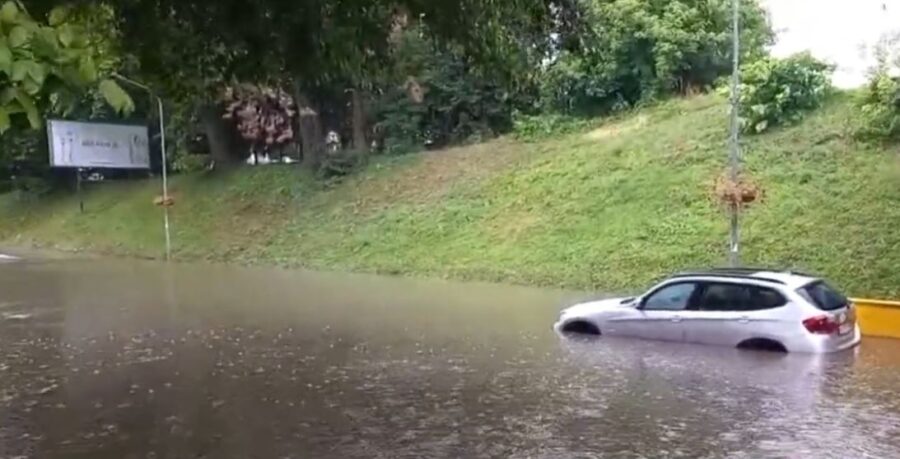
(822, 296)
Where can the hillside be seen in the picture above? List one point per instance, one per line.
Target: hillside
(608, 209)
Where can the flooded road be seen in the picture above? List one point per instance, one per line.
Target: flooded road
(120, 359)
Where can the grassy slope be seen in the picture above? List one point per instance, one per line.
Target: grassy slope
(609, 209)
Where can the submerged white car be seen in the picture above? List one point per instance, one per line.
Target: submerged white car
(745, 308)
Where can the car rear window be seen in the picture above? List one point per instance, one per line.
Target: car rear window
(822, 296)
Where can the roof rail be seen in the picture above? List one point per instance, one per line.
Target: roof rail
(749, 269)
(724, 274)
(742, 269)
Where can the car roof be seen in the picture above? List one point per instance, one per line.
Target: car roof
(790, 279)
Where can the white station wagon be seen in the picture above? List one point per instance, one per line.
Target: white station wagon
(744, 307)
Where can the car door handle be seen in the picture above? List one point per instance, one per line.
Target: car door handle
(744, 320)
(676, 319)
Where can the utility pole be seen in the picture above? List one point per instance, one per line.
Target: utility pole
(165, 165)
(734, 145)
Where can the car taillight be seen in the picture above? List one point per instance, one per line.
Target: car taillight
(822, 325)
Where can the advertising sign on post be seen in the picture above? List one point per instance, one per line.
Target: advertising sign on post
(95, 145)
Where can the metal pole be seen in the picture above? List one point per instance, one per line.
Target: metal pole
(78, 189)
(735, 152)
(165, 177)
(165, 161)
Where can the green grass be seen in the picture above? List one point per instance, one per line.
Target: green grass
(609, 210)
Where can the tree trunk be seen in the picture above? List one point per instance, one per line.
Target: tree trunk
(309, 128)
(360, 144)
(221, 148)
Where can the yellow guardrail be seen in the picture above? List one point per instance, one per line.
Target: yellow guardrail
(878, 317)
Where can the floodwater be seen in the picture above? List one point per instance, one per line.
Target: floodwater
(122, 359)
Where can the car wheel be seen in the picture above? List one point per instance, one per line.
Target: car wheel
(762, 344)
(581, 327)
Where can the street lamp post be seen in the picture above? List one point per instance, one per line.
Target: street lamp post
(165, 165)
(734, 145)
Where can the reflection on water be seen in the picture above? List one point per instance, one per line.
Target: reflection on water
(116, 359)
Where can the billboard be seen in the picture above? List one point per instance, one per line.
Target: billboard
(96, 145)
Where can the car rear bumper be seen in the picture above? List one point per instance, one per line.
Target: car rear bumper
(850, 343)
(815, 344)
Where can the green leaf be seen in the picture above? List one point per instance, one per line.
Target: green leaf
(4, 120)
(6, 58)
(8, 12)
(37, 72)
(64, 101)
(31, 87)
(7, 95)
(68, 57)
(45, 43)
(18, 37)
(116, 97)
(19, 70)
(58, 15)
(66, 35)
(31, 111)
(87, 70)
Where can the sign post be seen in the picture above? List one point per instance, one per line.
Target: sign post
(78, 189)
(83, 146)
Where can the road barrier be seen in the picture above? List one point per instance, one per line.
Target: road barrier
(878, 317)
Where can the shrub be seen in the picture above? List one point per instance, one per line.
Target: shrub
(184, 162)
(778, 91)
(879, 108)
(536, 127)
(401, 123)
(577, 84)
(340, 164)
(879, 102)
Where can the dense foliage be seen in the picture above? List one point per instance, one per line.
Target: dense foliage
(47, 66)
(880, 108)
(879, 101)
(263, 116)
(432, 97)
(61, 66)
(635, 50)
(779, 91)
(430, 73)
(401, 75)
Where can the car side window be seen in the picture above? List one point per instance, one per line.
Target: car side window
(722, 297)
(762, 298)
(671, 298)
(739, 298)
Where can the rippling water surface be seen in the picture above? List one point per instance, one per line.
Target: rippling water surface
(121, 359)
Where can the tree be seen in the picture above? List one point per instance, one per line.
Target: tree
(634, 50)
(431, 96)
(322, 47)
(47, 66)
(264, 116)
